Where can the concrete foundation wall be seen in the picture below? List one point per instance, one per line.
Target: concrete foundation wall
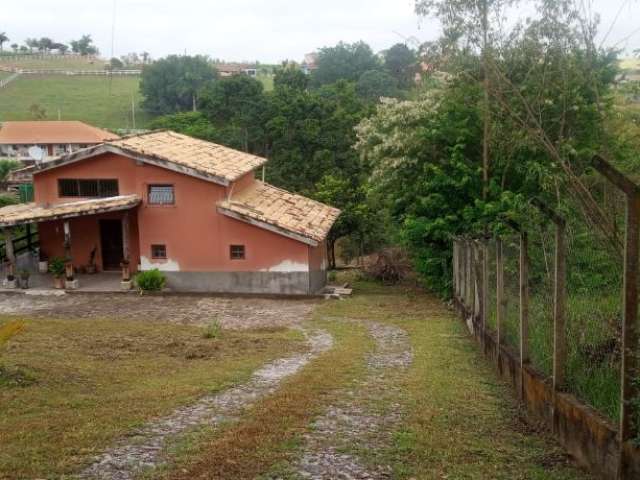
(270, 283)
(585, 434)
(317, 280)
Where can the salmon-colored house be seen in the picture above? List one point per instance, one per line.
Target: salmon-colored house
(190, 208)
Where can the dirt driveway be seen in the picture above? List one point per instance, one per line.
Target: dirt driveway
(234, 313)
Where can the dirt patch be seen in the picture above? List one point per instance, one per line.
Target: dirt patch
(233, 313)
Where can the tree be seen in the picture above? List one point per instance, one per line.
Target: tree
(32, 43)
(375, 84)
(145, 57)
(14, 47)
(235, 106)
(400, 61)
(115, 64)
(344, 62)
(174, 84)
(60, 47)
(45, 44)
(3, 40)
(290, 76)
(84, 46)
(37, 112)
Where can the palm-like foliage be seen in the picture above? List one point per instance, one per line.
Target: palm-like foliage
(3, 39)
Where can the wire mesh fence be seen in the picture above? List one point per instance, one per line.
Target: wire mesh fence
(564, 297)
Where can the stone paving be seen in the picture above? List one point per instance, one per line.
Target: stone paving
(354, 423)
(143, 449)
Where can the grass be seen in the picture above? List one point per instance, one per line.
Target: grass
(269, 435)
(99, 101)
(461, 423)
(71, 387)
(67, 62)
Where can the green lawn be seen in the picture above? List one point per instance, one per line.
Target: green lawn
(67, 62)
(100, 101)
(69, 387)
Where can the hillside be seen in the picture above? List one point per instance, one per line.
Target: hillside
(99, 101)
(52, 62)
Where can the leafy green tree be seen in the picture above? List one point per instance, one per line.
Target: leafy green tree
(174, 84)
(292, 77)
(236, 106)
(344, 62)
(84, 46)
(194, 124)
(400, 61)
(375, 84)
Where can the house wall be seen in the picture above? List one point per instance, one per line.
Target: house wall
(197, 237)
(317, 267)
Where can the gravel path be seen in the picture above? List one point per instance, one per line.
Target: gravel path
(144, 448)
(357, 422)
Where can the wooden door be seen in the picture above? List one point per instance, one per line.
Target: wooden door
(111, 244)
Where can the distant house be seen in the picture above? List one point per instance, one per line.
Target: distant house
(310, 63)
(230, 69)
(190, 208)
(50, 139)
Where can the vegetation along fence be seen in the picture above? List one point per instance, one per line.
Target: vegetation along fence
(556, 307)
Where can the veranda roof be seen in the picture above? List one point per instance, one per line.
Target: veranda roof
(283, 212)
(24, 213)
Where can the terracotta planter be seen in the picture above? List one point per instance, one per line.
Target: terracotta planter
(58, 283)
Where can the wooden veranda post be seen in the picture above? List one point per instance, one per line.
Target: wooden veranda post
(67, 251)
(8, 239)
(126, 270)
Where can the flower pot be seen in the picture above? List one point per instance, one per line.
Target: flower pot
(58, 283)
(90, 269)
(24, 283)
(43, 266)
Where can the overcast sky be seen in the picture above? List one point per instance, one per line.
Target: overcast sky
(264, 30)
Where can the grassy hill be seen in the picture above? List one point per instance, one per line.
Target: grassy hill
(96, 100)
(66, 62)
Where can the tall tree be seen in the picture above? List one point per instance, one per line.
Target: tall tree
(3, 39)
(173, 84)
(345, 61)
(375, 84)
(400, 61)
(84, 46)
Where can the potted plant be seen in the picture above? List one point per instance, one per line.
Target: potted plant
(57, 269)
(91, 266)
(43, 264)
(24, 279)
(11, 281)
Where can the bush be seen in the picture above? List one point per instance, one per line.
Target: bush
(213, 329)
(390, 266)
(151, 281)
(57, 267)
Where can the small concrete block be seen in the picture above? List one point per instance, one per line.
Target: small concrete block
(126, 286)
(71, 284)
(43, 267)
(11, 284)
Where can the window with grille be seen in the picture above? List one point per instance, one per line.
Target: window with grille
(89, 188)
(161, 195)
(237, 252)
(159, 251)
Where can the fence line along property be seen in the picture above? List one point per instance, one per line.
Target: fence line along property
(557, 310)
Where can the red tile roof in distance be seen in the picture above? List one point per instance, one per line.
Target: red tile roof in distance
(52, 132)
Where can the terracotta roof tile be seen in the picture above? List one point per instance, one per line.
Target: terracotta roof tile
(284, 210)
(52, 132)
(206, 157)
(30, 212)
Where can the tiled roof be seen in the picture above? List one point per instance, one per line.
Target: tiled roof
(205, 157)
(52, 132)
(31, 213)
(265, 204)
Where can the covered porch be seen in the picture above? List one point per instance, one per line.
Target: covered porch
(88, 245)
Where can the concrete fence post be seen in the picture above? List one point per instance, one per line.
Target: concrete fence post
(501, 301)
(559, 310)
(629, 370)
(524, 307)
